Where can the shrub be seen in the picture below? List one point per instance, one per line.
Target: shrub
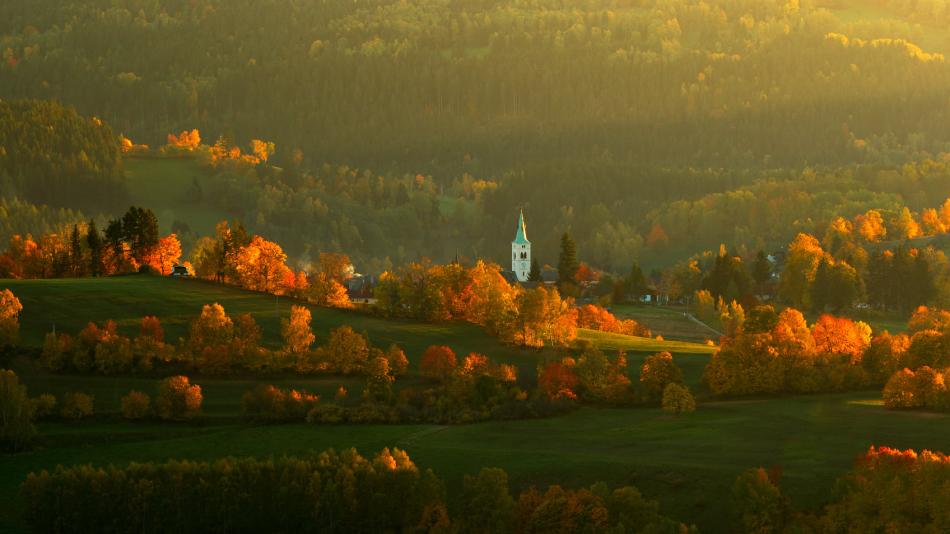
(178, 399)
(328, 414)
(136, 405)
(16, 413)
(270, 403)
(677, 399)
(44, 406)
(76, 406)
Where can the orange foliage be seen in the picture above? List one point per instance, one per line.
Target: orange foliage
(152, 328)
(185, 140)
(839, 335)
(586, 275)
(165, 255)
(597, 318)
(438, 363)
(261, 266)
(557, 381)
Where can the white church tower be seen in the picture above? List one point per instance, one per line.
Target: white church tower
(521, 252)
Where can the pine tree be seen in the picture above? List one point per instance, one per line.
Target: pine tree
(76, 264)
(821, 287)
(567, 261)
(636, 283)
(535, 274)
(94, 242)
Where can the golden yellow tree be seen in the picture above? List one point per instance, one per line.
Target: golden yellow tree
(261, 265)
(10, 309)
(298, 336)
(164, 256)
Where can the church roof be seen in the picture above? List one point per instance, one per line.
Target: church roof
(521, 238)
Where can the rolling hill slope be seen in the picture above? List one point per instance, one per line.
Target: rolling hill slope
(68, 304)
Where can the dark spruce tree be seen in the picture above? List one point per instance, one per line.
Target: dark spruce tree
(636, 284)
(534, 275)
(567, 262)
(95, 244)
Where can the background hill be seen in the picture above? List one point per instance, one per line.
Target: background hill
(650, 129)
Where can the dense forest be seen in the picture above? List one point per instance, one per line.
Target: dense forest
(404, 129)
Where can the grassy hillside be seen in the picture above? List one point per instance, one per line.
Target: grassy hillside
(68, 304)
(168, 187)
(688, 462)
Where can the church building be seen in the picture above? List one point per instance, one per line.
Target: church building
(521, 252)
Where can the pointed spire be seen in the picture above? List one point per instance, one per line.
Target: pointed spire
(521, 238)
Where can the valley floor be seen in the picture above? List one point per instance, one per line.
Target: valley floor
(688, 463)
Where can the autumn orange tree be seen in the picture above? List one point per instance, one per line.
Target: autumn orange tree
(10, 308)
(438, 363)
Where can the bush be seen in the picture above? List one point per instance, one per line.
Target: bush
(178, 399)
(327, 414)
(136, 405)
(16, 413)
(76, 406)
(677, 399)
(44, 406)
(270, 403)
(56, 351)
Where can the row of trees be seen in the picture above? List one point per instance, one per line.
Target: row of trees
(216, 344)
(320, 492)
(177, 399)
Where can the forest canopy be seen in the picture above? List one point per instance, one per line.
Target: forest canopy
(418, 128)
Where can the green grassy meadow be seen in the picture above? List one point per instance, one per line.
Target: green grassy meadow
(688, 462)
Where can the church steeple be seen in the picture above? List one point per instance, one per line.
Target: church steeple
(521, 251)
(521, 237)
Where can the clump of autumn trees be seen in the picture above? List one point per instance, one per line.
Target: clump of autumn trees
(529, 317)
(923, 361)
(128, 244)
(887, 490)
(594, 377)
(320, 492)
(780, 353)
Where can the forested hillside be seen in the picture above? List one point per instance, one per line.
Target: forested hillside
(631, 123)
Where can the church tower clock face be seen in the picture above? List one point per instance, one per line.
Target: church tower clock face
(521, 251)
